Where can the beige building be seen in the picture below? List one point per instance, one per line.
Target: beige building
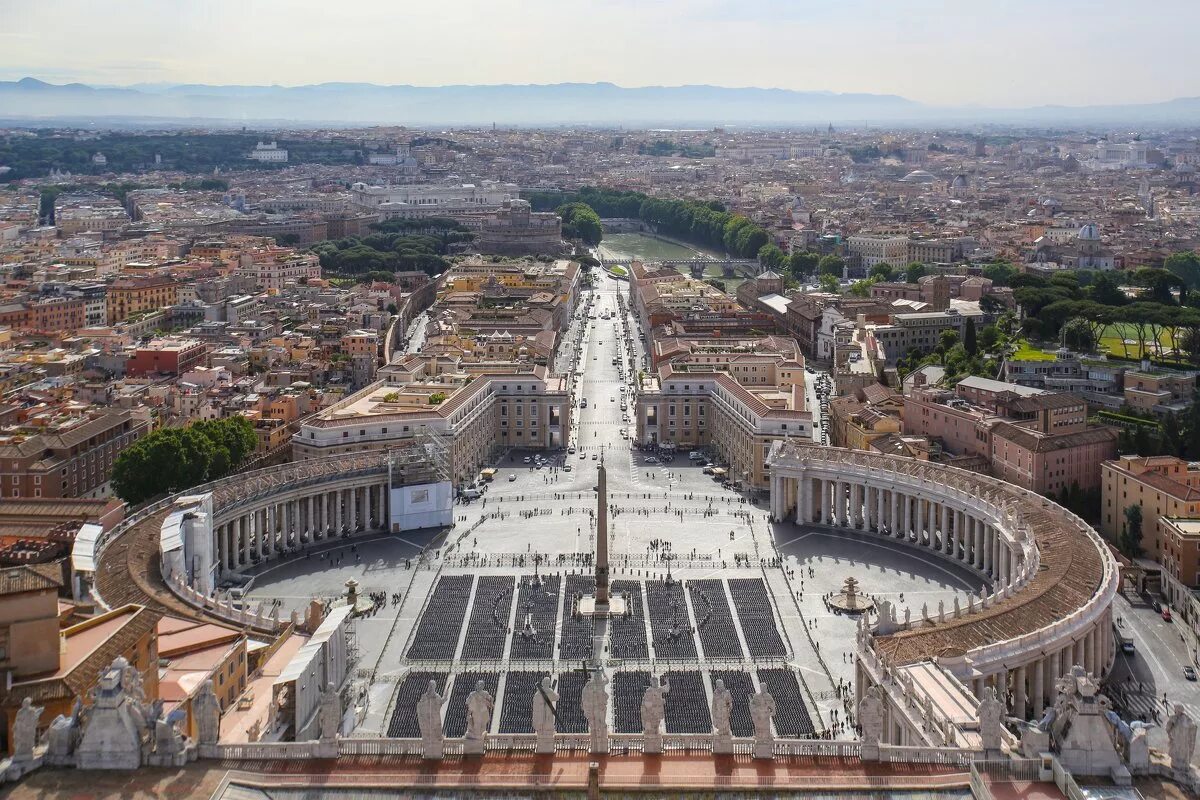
(727, 406)
(478, 408)
(1168, 490)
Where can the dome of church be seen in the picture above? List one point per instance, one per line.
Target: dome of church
(959, 182)
(918, 176)
(1089, 233)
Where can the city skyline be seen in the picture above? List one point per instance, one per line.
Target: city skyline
(952, 56)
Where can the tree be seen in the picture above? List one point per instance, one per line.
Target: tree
(803, 264)
(915, 271)
(999, 273)
(1171, 443)
(988, 304)
(831, 265)
(861, 288)
(1131, 535)
(829, 283)
(770, 256)
(172, 459)
(970, 340)
(1192, 442)
(1186, 266)
(881, 272)
(947, 339)
(580, 221)
(716, 283)
(989, 337)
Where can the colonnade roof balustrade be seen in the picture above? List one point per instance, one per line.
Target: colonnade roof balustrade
(129, 567)
(1074, 567)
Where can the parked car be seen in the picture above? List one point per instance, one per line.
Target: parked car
(1189, 672)
(512, 477)
(1166, 614)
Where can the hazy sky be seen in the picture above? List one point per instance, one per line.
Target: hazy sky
(987, 52)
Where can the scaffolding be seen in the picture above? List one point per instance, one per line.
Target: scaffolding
(425, 458)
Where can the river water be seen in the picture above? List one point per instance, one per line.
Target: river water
(652, 248)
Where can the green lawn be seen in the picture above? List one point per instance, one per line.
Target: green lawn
(1113, 338)
(1027, 352)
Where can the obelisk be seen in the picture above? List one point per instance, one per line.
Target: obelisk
(601, 538)
(601, 604)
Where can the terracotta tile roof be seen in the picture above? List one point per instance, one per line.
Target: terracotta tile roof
(30, 578)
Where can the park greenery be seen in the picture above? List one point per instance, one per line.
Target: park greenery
(36, 156)
(174, 459)
(398, 245)
(665, 147)
(704, 224)
(580, 221)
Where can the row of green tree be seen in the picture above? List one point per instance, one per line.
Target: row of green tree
(175, 459)
(35, 156)
(704, 224)
(394, 246)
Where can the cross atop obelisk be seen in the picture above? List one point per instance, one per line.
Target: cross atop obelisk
(601, 536)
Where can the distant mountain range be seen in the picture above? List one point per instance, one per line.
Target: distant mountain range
(600, 104)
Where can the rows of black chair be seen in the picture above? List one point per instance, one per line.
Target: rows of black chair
(441, 624)
(576, 641)
(455, 722)
(538, 602)
(516, 712)
(668, 610)
(757, 616)
(741, 687)
(627, 632)
(792, 719)
(570, 717)
(487, 632)
(403, 723)
(627, 691)
(714, 621)
(686, 709)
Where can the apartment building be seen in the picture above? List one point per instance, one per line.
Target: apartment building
(879, 248)
(921, 331)
(1039, 440)
(166, 356)
(478, 411)
(276, 267)
(1168, 490)
(130, 296)
(870, 413)
(67, 456)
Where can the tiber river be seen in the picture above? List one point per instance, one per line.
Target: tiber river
(651, 248)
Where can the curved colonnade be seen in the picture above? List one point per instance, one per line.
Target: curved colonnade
(1051, 580)
(256, 517)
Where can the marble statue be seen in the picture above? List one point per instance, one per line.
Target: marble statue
(991, 712)
(594, 700)
(207, 709)
(429, 720)
(62, 738)
(480, 705)
(762, 708)
(907, 617)
(329, 714)
(870, 716)
(171, 748)
(941, 610)
(544, 715)
(1181, 738)
(25, 730)
(654, 709)
(957, 608)
(1133, 736)
(722, 707)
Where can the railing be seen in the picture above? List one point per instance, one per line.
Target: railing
(955, 756)
(265, 751)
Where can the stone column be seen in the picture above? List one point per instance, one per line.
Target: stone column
(1019, 709)
(907, 528)
(879, 512)
(776, 497)
(1039, 694)
(822, 487)
(894, 515)
(805, 503)
(947, 538)
(337, 512)
(243, 528)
